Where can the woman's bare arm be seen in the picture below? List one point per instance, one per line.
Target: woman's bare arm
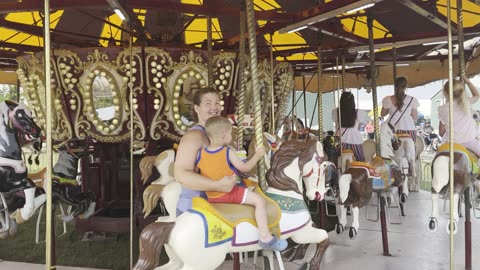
(184, 168)
(473, 89)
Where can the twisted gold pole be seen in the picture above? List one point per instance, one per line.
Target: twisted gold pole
(272, 92)
(319, 94)
(242, 79)
(252, 42)
(209, 51)
(373, 81)
(461, 39)
(450, 119)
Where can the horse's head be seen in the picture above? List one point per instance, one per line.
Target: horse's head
(317, 173)
(21, 119)
(73, 147)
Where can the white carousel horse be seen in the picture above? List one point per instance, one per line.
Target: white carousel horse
(407, 151)
(16, 128)
(200, 238)
(361, 179)
(414, 182)
(465, 170)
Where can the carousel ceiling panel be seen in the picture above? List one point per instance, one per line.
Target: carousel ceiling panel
(182, 24)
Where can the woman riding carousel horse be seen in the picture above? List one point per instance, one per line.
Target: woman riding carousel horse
(402, 111)
(16, 128)
(348, 129)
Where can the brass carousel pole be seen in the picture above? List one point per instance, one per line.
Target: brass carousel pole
(394, 59)
(242, 78)
(381, 201)
(130, 100)
(252, 42)
(320, 94)
(209, 51)
(272, 103)
(323, 206)
(450, 118)
(49, 255)
(468, 206)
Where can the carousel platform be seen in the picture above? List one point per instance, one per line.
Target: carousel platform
(410, 245)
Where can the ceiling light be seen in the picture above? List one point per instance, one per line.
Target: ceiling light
(360, 8)
(297, 29)
(119, 10)
(435, 43)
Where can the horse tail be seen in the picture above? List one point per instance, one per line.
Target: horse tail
(146, 167)
(151, 196)
(440, 173)
(344, 185)
(152, 239)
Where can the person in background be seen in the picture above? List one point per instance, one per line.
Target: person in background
(219, 160)
(370, 129)
(350, 120)
(464, 127)
(206, 103)
(402, 109)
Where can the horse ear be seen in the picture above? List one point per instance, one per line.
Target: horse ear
(319, 149)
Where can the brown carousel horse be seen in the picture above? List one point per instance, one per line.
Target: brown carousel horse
(361, 179)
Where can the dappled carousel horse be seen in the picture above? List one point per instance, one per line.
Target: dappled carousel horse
(201, 237)
(361, 179)
(465, 170)
(16, 127)
(66, 185)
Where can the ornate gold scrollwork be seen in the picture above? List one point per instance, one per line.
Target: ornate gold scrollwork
(30, 74)
(97, 81)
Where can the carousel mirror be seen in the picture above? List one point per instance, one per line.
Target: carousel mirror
(184, 89)
(103, 98)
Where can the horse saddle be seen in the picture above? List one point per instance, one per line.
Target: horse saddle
(347, 151)
(378, 171)
(234, 214)
(458, 148)
(403, 135)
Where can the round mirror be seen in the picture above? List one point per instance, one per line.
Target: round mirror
(185, 87)
(103, 98)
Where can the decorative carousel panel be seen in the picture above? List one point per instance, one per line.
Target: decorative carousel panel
(32, 80)
(133, 68)
(224, 68)
(104, 99)
(159, 67)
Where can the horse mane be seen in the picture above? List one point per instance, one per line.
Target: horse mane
(289, 150)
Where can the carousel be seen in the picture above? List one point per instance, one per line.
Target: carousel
(107, 87)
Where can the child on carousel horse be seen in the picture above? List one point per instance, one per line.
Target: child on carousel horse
(465, 131)
(219, 160)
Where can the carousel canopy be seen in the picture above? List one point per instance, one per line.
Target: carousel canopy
(415, 29)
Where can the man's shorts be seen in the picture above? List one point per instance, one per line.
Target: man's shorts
(238, 195)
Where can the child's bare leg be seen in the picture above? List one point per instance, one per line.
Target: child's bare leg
(260, 215)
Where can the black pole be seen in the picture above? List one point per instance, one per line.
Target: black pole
(383, 222)
(468, 231)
